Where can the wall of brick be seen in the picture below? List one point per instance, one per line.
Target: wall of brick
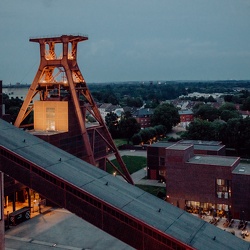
(241, 196)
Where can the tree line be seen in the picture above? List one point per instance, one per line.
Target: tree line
(224, 124)
(165, 116)
(133, 94)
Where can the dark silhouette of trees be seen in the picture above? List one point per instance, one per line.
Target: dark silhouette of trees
(111, 120)
(246, 104)
(166, 115)
(228, 111)
(12, 106)
(133, 102)
(128, 126)
(136, 139)
(235, 133)
(199, 130)
(206, 112)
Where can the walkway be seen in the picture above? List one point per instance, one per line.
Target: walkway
(139, 177)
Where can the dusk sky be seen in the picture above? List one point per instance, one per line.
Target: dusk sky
(131, 40)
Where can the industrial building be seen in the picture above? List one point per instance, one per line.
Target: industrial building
(65, 164)
(201, 182)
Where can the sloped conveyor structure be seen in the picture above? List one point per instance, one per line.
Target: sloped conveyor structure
(121, 209)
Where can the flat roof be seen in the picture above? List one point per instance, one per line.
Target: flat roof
(162, 144)
(201, 142)
(171, 145)
(209, 147)
(213, 160)
(179, 146)
(242, 168)
(186, 112)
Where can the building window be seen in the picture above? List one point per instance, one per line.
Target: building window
(50, 119)
(223, 188)
(162, 161)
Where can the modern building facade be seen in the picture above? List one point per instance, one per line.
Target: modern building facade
(201, 182)
(156, 154)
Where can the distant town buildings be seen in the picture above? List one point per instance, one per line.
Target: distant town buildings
(106, 108)
(143, 117)
(186, 116)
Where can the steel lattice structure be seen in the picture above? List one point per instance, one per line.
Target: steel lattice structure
(59, 72)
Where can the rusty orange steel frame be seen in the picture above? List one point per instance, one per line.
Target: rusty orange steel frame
(62, 71)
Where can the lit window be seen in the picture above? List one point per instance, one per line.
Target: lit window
(223, 188)
(50, 119)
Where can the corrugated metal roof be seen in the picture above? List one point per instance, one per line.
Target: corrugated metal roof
(132, 200)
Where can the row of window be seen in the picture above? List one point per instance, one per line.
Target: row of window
(163, 239)
(44, 175)
(152, 233)
(14, 158)
(122, 217)
(83, 196)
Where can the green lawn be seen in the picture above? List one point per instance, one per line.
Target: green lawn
(120, 142)
(133, 163)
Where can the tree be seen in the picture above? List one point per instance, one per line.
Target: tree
(228, 111)
(207, 112)
(246, 104)
(160, 130)
(12, 106)
(111, 120)
(238, 134)
(146, 135)
(128, 127)
(200, 130)
(210, 99)
(218, 130)
(228, 114)
(227, 106)
(166, 115)
(228, 98)
(134, 102)
(233, 133)
(136, 139)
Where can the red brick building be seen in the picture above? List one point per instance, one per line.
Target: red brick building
(143, 117)
(186, 116)
(156, 154)
(205, 182)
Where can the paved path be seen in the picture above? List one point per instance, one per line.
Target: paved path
(59, 229)
(139, 177)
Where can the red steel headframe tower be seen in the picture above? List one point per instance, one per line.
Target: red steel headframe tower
(60, 73)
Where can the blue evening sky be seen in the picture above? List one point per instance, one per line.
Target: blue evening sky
(131, 40)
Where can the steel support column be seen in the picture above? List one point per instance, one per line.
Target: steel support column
(72, 81)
